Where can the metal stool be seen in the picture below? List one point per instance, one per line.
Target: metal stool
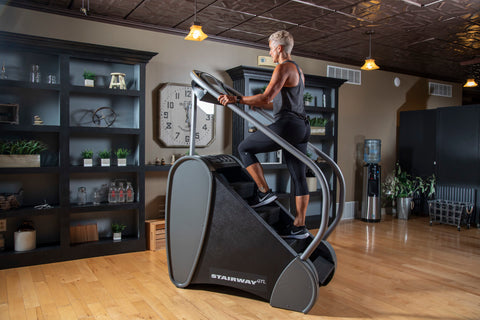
(118, 81)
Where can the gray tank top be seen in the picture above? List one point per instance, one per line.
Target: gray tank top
(290, 99)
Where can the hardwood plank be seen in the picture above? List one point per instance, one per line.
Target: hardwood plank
(389, 270)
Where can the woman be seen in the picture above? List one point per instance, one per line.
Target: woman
(283, 95)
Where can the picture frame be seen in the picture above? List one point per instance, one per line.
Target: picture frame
(9, 113)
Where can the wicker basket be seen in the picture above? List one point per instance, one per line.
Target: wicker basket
(11, 201)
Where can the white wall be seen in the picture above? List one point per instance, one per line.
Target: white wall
(366, 111)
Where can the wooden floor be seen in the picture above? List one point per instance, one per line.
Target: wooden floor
(388, 270)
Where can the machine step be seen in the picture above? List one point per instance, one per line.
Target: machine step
(324, 268)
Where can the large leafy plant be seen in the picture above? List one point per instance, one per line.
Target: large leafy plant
(22, 147)
(404, 185)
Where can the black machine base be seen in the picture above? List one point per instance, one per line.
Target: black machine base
(215, 237)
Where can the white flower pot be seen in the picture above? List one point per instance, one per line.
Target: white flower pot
(122, 162)
(87, 162)
(105, 162)
(117, 236)
(89, 83)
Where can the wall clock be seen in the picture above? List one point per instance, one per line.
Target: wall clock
(175, 101)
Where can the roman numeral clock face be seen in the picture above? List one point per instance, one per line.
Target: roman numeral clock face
(175, 113)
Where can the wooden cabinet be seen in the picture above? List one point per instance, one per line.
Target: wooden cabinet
(324, 104)
(75, 118)
(444, 142)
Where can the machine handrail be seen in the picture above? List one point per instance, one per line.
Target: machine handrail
(284, 144)
(336, 170)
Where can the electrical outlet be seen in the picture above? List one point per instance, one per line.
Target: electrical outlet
(3, 225)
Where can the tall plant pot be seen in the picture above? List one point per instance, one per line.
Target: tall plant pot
(404, 208)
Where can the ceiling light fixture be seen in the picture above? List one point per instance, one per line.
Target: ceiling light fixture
(369, 62)
(470, 83)
(196, 33)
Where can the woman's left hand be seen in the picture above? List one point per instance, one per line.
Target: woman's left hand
(225, 99)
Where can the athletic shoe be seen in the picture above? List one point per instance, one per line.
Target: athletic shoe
(293, 232)
(264, 198)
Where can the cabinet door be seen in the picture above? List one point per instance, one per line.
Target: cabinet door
(416, 142)
(458, 145)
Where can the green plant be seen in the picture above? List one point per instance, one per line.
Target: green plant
(404, 184)
(122, 153)
(118, 227)
(87, 154)
(88, 75)
(318, 122)
(22, 147)
(307, 97)
(105, 154)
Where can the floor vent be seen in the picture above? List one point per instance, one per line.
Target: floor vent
(351, 75)
(440, 89)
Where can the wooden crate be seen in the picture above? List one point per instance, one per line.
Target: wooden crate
(155, 232)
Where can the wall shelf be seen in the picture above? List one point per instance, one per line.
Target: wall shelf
(58, 105)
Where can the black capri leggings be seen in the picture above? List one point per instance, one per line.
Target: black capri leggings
(291, 128)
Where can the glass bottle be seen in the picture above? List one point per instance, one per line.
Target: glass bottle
(35, 74)
(130, 194)
(82, 196)
(112, 193)
(3, 73)
(121, 193)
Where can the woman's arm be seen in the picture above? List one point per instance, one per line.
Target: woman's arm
(262, 100)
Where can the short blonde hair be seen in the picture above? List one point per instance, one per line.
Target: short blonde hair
(283, 38)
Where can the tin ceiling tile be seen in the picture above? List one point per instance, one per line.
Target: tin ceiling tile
(427, 37)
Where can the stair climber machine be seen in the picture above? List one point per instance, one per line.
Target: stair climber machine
(214, 237)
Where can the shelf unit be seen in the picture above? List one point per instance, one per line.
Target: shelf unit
(250, 81)
(66, 109)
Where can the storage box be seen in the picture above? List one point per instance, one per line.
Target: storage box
(155, 234)
(85, 233)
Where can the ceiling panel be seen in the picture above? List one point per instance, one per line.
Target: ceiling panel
(421, 37)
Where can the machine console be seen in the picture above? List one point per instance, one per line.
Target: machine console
(221, 161)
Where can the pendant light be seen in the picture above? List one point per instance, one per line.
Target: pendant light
(196, 33)
(470, 83)
(369, 62)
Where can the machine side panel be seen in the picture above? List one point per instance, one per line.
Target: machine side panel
(296, 288)
(241, 250)
(188, 205)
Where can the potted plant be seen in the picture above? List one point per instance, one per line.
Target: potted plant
(20, 153)
(404, 187)
(117, 229)
(87, 156)
(307, 98)
(89, 78)
(318, 126)
(122, 154)
(104, 158)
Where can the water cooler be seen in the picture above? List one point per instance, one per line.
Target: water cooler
(371, 181)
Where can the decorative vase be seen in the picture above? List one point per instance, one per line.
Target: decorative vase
(404, 207)
(117, 236)
(25, 240)
(19, 160)
(89, 83)
(105, 162)
(122, 162)
(87, 162)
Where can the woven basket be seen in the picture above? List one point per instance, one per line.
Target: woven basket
(11, 201)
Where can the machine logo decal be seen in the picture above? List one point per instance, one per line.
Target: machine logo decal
(242, 280)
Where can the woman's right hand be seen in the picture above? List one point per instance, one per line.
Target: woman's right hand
(226, 99)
